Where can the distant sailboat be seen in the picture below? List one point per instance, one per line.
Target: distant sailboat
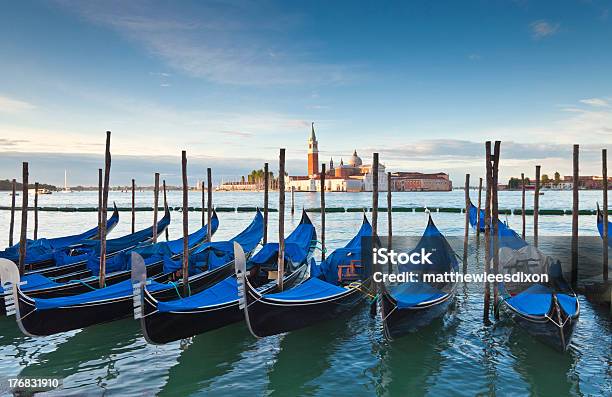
(66, 189)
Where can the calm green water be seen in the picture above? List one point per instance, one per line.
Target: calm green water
(456, 355)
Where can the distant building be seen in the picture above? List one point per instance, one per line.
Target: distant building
(419, 182)
(586, 181)
(353, 176)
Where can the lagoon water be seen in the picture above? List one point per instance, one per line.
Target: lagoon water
(457, 355)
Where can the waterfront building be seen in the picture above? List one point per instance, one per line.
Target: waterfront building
(419, 182)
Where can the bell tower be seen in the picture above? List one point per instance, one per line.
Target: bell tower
(313, 153)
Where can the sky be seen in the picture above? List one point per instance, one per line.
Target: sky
(423, 83)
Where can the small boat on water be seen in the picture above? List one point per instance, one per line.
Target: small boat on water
(218, 306)
(37, 316)
(71, 262)
(549, 311)
(600, 225)
(40, 252)
(335, 287)
(35, 285)
(408, 306)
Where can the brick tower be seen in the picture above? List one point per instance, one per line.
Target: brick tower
(313, 154)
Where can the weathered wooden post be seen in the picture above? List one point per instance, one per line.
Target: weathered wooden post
(575, 208)
(376, 267)
(155, 205)
(281, 219)
(165, 205)
(12, 222)
(36, 210)
(133, 206)
(203, 203)
(536, 206)
(466, 228)
(209, 204)
(375, 195)
(495, 220)
(266, 191)
(478, 220)
(487, 290)
(523, 203)
(185, 256)
(389, 214)
(100, 193)
(292, 200)
(604, 173)
(323, 211)
(24, 219)
(107, 166)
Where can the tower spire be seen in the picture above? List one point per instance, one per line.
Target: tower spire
(313, 153)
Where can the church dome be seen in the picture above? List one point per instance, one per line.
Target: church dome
(355, 161)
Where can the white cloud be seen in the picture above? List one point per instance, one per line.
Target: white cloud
(595, 102)
(10, 105)
(542, 29)
(225, 43)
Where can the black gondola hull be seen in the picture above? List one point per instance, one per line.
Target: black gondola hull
(271, 317)
(62, 319)
(159, 328)
(399, 322)
(544, 329)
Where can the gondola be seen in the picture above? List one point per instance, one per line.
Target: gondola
(600, 225)
(49, 316)
(409, 306)
(549, 311)
(40, 252)
(335, 286)
(71, 262)
(218, 306)
(117, 268)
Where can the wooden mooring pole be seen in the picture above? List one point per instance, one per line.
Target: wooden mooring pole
(266, 191)
(12, 221)
(203, 203)
(487, 290)
(133, 206)
(479, 221)
(107, 167)
(389, 220)
(523, 204)
(209, 204)
(322, 211)
(495, 220)
(292, 200)
(155, 205)
(536, 205)
(36, 184)
(466, 231)
(100, 188)
(575, 207)
(165, 206)
(185, 257)
(375, 195)
(281, 219)
(24, 218)
(389, 214)
(604, 173)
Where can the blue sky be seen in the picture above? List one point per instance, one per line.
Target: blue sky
(423, 83)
